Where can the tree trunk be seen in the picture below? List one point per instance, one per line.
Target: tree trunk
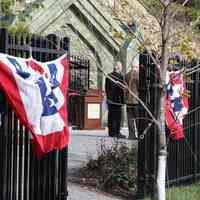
(161, 174)
(162, 157)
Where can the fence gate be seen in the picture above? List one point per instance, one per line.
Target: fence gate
(22, 175)
(183, 156)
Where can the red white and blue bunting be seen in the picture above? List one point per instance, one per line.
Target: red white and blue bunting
(37, 93)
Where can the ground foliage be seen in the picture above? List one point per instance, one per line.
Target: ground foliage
(113, 171)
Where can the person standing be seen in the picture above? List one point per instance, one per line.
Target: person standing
(132, 81)
(115, 100)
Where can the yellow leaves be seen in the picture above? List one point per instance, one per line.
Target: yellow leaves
(141, 48)
(6, 7)
(117, 34)
(19, 28)
(173, 62)
(124, 3)
(185, 47)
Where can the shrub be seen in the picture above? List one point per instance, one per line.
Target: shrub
(114, 170)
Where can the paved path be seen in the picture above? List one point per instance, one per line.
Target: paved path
(84, 145)
(77, 192)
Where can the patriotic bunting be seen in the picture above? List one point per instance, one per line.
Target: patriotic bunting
(176, 104)
(37, 93)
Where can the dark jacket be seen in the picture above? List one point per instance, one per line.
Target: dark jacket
(114, 92)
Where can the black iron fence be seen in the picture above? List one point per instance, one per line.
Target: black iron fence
(22, 175)
(78, 87)
(79, 75)
(183, 156)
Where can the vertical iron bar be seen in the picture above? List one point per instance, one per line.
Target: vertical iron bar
(4, 169)
(9, 163)
(15, 143)
(26, 165)
(141, 178)
(196, 130)
(63, 174)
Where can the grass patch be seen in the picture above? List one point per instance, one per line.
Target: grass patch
(189, 192)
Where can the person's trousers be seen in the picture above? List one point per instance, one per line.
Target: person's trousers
(114, 119)
(132, 114)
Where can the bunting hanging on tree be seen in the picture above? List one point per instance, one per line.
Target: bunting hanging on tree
(37, 93)
(176, 104)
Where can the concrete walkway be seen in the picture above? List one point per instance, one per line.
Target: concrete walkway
(77, 192)
(84, 145)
